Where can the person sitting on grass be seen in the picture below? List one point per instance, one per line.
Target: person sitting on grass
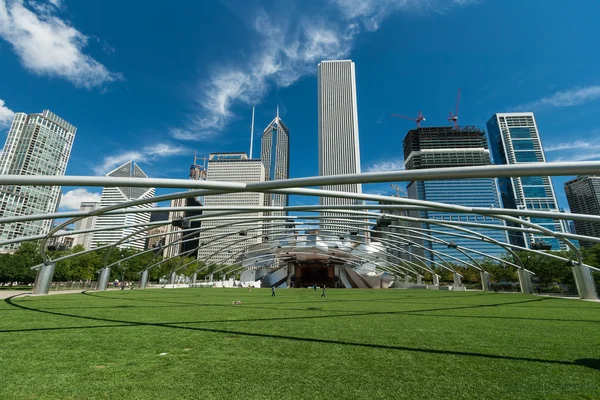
(236, 303)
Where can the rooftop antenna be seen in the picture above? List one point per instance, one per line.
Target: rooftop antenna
(252, 133)
(278, 112)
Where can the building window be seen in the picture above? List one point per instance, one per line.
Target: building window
(526, 156)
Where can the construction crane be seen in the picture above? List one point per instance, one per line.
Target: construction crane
(454, 117)
(418, 120)
(398, 190)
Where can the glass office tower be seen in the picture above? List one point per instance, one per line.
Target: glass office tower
(515, 139)
(437, 147)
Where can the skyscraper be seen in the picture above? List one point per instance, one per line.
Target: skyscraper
(231, 167)
(583, 195)
(515, 139)
(339, 151)
(190, 243)
(438, 147)
(37, 144)
(85, 239)
(275, 150)
(116, 195)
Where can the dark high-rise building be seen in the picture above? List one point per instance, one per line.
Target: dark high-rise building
(583, 195)
(275, 155)
(438, 147)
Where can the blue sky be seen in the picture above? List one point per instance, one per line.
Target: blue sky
(155, 83)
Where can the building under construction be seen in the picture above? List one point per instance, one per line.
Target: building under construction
(445, 146)
(438, 147)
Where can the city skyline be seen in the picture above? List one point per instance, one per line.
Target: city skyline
(134, 94)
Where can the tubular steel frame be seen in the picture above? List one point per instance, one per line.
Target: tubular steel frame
(297, 186)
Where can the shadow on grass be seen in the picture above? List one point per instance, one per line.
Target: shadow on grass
(588, 363)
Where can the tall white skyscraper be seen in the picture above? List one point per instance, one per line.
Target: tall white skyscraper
(275, 152)
(37, 144)
(515, 139)
(116, 195)
(339, 151)
(231, 167)
(85, 239)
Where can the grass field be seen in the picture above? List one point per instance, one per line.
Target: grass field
(354, 344)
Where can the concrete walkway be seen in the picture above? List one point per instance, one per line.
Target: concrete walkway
(8, 293)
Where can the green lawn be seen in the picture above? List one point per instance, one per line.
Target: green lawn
(359, 344)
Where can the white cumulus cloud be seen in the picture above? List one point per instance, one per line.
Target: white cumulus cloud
(567, 98)
(48, 45)
(6, 115)
(386, 165)
(288, 49)
(147, 154)
(72, 199)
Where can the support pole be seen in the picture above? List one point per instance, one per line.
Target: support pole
(485, 281)
(457, 281)
(525, 281)
(143, 279)
(419, 279)
(43, 280)
(103, 279)
(172, 278)
(210, 277)
(436, 279)
(194, 279)
(586, 287)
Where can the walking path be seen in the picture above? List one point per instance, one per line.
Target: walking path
(8, 293)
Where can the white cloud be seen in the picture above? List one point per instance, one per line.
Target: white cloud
(386, 165)
(578, 150)
(579, 156)
(147, 154)
(568, 98)
(6, 115)
(575, 145)
(372, 12)
(73, 199)
(48, 45)
(287, 50)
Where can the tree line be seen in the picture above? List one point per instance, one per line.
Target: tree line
(17, 267)
(549, 273)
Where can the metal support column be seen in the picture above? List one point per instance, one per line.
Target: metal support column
(172, 278)
(436, 279)
(43, 280)
(525, 281)
(457, 281)
(485, 281)
(103, 279)
(143, 279)
(585, 282)
(419, 279)
(194, 279)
